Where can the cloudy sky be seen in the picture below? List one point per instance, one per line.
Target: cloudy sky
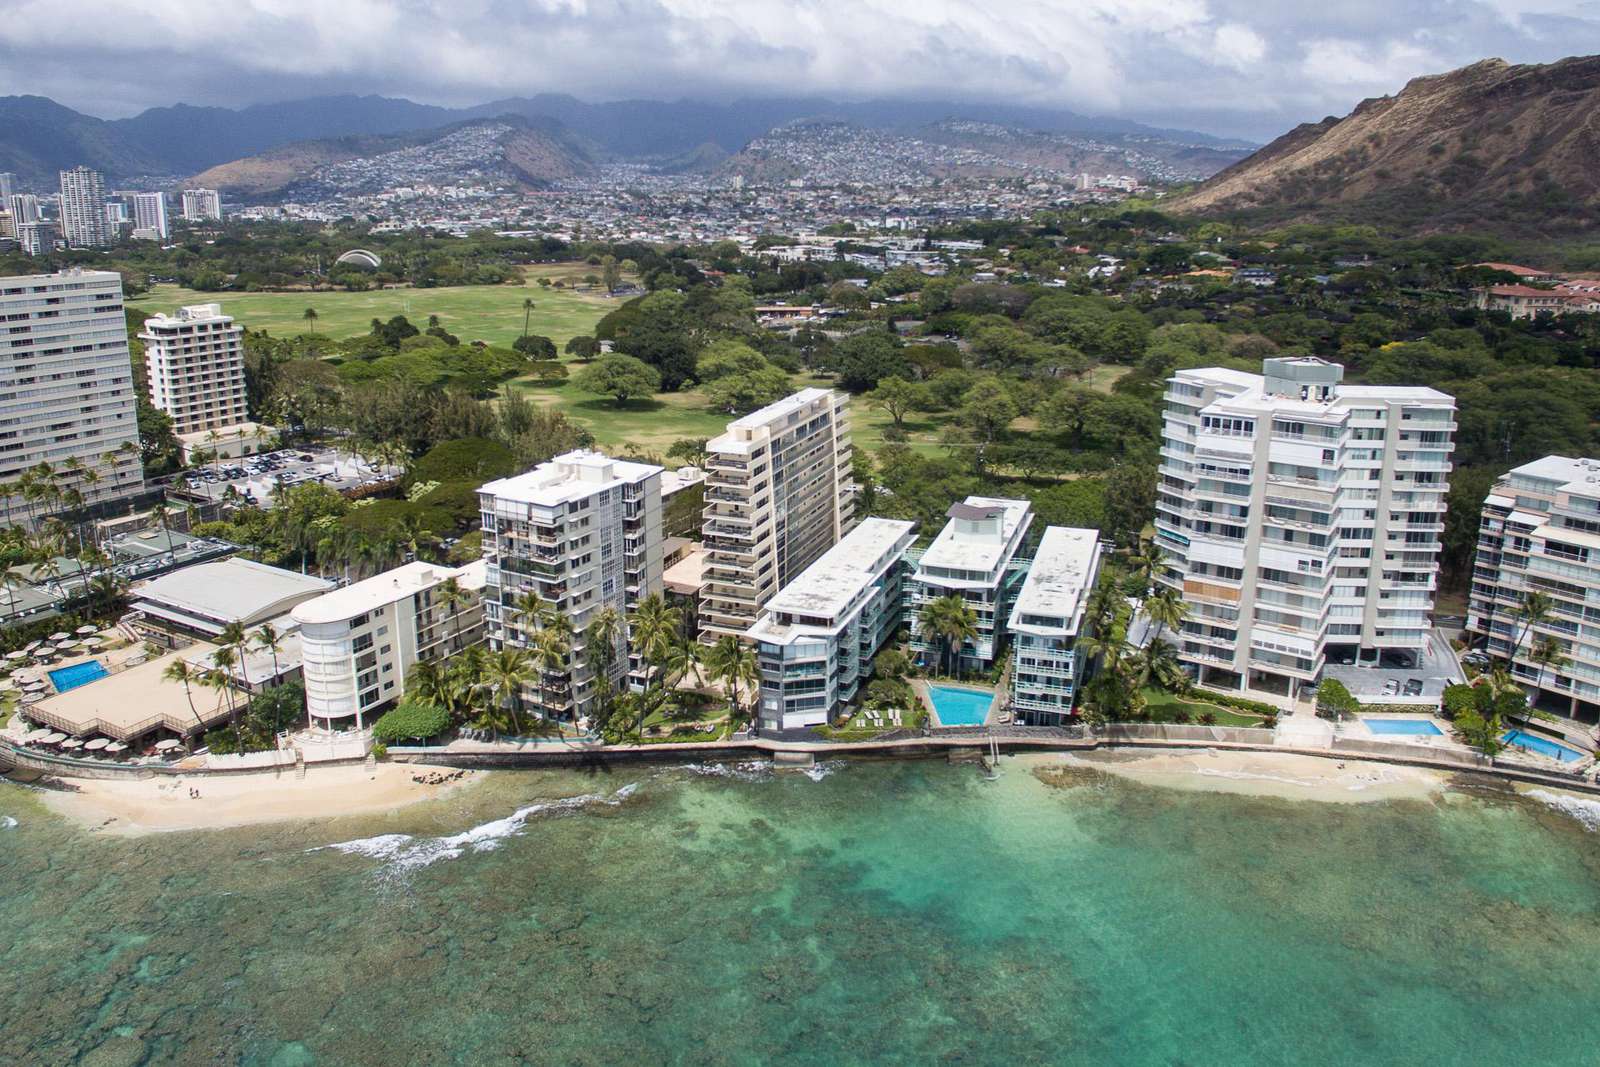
(1245, 67)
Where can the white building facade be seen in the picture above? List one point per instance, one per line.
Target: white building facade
(778, 495)
(1298, 515)
(195, 364)
(1046, 621)
(66, 385)
(202, 205)
(83, 209)
(818, 635)
(150, 216)
(1541, 533)
(359, 643)
(583, 532)
(975, 557)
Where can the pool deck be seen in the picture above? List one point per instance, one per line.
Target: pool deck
(921, 687)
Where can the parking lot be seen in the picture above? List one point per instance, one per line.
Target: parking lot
(253, 478)
(1424, 683)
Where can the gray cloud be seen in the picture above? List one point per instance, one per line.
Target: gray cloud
(1232, 66)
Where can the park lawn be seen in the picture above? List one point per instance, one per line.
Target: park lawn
(491, 313)
(1162, 704)
(1102, 377)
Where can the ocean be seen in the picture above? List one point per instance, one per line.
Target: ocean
(867, 912)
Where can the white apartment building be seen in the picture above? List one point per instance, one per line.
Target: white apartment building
(975, 557)
(150, 215)
(818, 635)
(778, 495)
(66, 385)
(195, 364)
(358, 643)
(200, 205)
(1045, 622)
(37, 238)
(583, 531)
(83, 209)
(1541, 533)
(1301, 518)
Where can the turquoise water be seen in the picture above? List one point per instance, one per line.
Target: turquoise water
(905, 913)
(1407, 727)
(1541, 745)
(958, 706)
(65, 678)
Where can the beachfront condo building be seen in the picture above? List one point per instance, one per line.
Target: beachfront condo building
(195, 364)
(816, 638)
(66, 391)
(975, 557)
(777, 496)
(83, 209)
(358, 644)
(581, 533)
(1300, 518)
(1541, 533)
(1045, 622)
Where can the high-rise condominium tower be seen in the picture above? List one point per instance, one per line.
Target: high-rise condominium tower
(195, 361)
(83, 208)
(66, 389)
(1300, 518)
(778, 495)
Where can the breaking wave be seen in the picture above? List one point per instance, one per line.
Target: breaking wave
(746, 771)
(1585, 811)
(405, 853)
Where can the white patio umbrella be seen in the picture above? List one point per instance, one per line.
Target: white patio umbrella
(168, 745)
(72, 742)
(61, 635)
(31, 645)
(52, 739)
(18, 654)
(87, 630)
(116, 746)
(96, 745)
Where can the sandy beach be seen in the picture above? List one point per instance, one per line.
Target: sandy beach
(1339, 781)
(164, 804)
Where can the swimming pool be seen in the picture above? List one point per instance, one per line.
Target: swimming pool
(1406, 727)
(65, 678)
(957, 706)
(1542, 746)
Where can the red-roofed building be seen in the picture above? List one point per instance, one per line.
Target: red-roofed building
(1524, 301)
(1527, 274)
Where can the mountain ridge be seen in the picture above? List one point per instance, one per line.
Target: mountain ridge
(1510, 148)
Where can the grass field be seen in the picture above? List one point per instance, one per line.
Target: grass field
(653, 425)
(491, 313)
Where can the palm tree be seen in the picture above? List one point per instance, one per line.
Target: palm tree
(1547, 653)
(235, 638)
(310, 315)
(179, 671)
(268, 639)
(527, 309)
(1157, 664)
(1166, 609)
(724, 663)
(550, 651)
(952, 623)
(1536, 608)
(220, 678)
(450, 593)
(505, 674)
(600, 649)
(413, 535)
(652, 630)
(1147, 560)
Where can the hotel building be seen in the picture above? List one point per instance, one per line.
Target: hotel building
(975, 558)
(150, 216)
(195, 363)
(777, 496)
(1541, 533)
(1300, 515)
(1045, 622)
(583, 531)
(83, 209)
(359, 643)
(201, 205)
(818, 635)
(66, 386)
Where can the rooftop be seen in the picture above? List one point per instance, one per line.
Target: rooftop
(569, 477)
(745, 431)
(1565, 474)
(188, 315)
(1251, 395)
(386, 588)
(1062, 572)
(230, 590)
(827, 587)
(958, 549)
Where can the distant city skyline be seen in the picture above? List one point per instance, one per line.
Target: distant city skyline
(1227, 67)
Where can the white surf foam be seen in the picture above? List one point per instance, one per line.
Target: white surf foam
(1585, 811)
(818, 771)
(747, 771)
(407, 853)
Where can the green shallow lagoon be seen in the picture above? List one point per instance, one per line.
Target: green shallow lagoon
(888, 912)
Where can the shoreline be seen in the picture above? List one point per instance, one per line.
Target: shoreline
(1286, 775)
(164, 805)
